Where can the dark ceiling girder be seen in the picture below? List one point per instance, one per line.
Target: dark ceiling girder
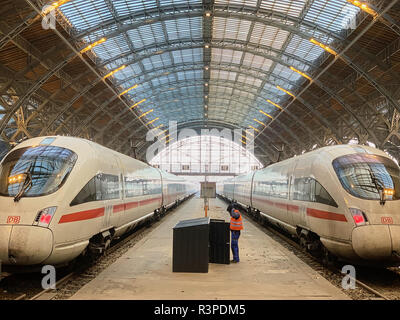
(348, 46)
(37, 84)
(174, 12)
(71, 47)
(117, 118)
(14, 31)
(207, 28)
(255, 16)
(229, 85)
(312, 136)
(308, 105)
(271, 57)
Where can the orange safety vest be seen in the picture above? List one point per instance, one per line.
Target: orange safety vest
(236, 224)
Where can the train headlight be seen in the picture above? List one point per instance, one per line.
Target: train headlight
(359, 217)
(44, 216)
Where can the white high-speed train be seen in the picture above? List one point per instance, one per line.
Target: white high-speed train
(61, 197)
(340, 200)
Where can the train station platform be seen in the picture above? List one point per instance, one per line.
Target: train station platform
(267, 270)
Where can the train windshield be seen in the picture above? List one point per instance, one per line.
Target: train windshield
(367, 176)
(35, 171)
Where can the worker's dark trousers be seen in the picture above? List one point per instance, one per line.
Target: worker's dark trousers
(235, 244)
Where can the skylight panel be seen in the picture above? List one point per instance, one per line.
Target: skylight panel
(86, 14)
(268, 36)
(225, 55)
(187, 56)
(289, 7)
(255, 61)
(288, 74)
(184, 28)
(220, 90)
(223, 75)
(251, 81)
(130, 7)
(112, 48)
(148, 65)
(331, 14)
(243, 95)
(304, 49)
(230, 28)
(151, 34)
(135, 38)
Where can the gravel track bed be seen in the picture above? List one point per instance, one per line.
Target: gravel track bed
(15, 285)
(384, 280)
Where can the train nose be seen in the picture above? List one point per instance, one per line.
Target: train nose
(377, 242)
(25, 245)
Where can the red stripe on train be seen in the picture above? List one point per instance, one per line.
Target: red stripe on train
(292, 207)
(119, 207)
(82, 215)
(131, 205)
(325, 215)
(281, 205)
(147, 201)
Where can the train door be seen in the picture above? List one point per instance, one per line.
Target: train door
(163, 188)
(301, 171)
(302, 216)
(283, 202)
(108, 210)
(112, 193)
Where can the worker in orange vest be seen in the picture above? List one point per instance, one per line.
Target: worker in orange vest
(235, 226)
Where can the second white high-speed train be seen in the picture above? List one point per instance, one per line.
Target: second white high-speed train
(342, 200)
(61, 197)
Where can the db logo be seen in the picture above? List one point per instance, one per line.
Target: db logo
(387, 220)
(13, 219)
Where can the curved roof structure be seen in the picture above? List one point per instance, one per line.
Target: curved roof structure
(299, 73)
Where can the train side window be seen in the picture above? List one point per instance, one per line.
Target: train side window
(302, 189)
(109, 187)
(133, 187)
(146, 187)
(322, 196)
(87, 194)
(122, 186)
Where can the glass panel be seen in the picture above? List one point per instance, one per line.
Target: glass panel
(366, 175)
(320, 195)
(110, 187)
(48, 167)
(87, 194)
(302, 189)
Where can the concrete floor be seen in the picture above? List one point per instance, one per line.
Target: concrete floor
(266, 270)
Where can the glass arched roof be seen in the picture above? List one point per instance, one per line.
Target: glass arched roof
(206, 154)
(209, 60)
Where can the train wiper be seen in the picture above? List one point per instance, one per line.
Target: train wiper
(380, 187)
(375, 184)
(26, 185)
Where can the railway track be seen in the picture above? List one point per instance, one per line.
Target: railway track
(370, 283)
(86, 272)
(317, 264)
(28, 286)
